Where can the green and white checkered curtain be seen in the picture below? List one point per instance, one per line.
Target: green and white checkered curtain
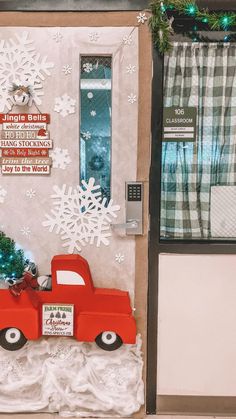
(203, 76)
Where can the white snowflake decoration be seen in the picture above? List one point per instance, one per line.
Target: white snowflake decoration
(25, 231)
(88, 67)
(64, 105)
(141, 18)
(81, 215)
(86, 135)
(119, 258)
(132, 98)
(94, 36)
(60, 158)
(128, 40)
(30, 193)
(93, 113)
(66, 69)
(3, 193)
(130, 69)
(57, 37)
(19, 60)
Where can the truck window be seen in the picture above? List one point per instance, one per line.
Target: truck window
(69, 278)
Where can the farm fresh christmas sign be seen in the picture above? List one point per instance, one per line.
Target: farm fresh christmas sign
(25, 144)
(58, 320)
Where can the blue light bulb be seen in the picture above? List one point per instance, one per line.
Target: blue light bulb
(191, 9)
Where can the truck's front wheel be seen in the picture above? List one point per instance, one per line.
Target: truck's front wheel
(109, 341)
(12, 339)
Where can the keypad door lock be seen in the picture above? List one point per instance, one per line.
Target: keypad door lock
(133, 224)
(134, 206)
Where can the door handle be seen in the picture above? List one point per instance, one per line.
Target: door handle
(128, 225)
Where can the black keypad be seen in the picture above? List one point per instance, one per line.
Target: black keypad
(134, 192)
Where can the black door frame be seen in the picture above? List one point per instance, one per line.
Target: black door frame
(156, 245)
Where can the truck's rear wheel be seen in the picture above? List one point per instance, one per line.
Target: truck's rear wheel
(12, 339)
(109, 341)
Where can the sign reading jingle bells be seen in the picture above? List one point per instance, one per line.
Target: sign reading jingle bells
(25, 143)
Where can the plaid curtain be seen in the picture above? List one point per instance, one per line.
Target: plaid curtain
(204, 76)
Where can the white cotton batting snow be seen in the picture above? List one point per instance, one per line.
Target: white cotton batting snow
(71, 378)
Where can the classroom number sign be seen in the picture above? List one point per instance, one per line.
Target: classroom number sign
(179, 124)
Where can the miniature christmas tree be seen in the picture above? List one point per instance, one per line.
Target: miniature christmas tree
(12, 261)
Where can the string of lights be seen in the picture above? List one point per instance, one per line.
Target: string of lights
(161, 21)
(12, 260)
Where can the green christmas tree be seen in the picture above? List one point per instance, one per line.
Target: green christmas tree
(12, 260)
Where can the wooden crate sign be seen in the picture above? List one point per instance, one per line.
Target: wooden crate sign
(25, 117)
(24, 144)
(24, 152)
(25, 169)
(26, 160)
(58, 319)
(19, 135)
(25, 127)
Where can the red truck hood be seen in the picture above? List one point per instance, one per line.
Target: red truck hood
(113, 300)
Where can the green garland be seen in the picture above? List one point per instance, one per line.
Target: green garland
(161, 24)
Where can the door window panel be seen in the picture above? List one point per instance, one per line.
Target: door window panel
(95, 121)
(198, 180)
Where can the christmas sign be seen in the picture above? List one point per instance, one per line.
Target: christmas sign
(25, 144)
(58, 320)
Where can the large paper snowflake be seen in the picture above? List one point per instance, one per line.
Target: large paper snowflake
(81, 215)
(64, 105)
(20, 61)
(60, 158)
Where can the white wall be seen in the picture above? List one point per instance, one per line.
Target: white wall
(197, 325)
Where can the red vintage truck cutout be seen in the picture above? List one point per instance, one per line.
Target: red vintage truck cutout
(74, 307)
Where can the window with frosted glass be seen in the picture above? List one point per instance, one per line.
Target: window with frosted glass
(95, 121)
(198, 178)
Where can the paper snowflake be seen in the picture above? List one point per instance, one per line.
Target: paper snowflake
(128, 40)
(30, 193)
(94, 36)
(93, 113)
(141, 18)
(25, 231)
(86, 135)
(19, 60)
(88, 67)
(64, 105)
(60, 158)
(130, 69)
(3, 193)
(132, 98)
(66, 69)
(119, 258)
(57, 37)
(81, 215)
